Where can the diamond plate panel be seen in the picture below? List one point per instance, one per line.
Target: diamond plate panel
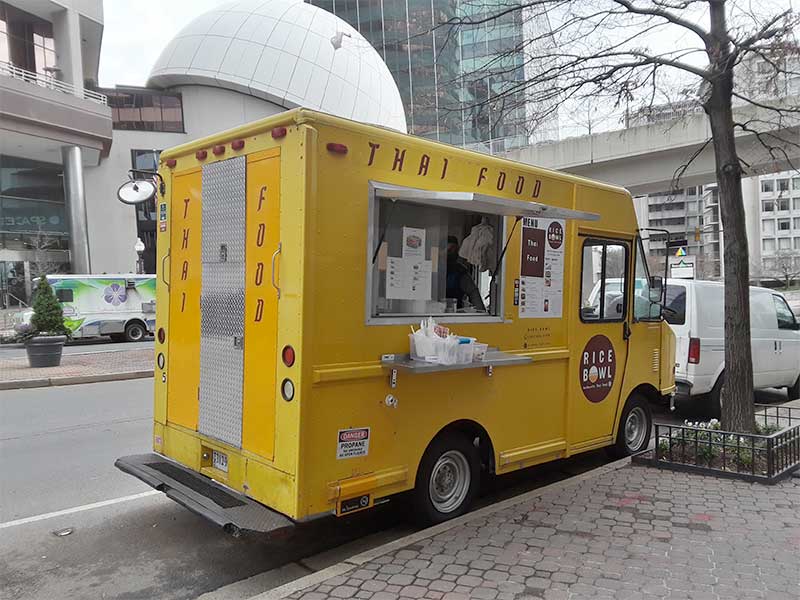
(222, 301)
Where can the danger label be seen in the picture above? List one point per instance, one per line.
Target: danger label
(352, 442)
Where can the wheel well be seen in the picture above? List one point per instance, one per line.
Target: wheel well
(474, 431)
(648, 391)
(139, 321)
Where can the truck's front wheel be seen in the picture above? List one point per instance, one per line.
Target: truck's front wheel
(635, 427)
(448, 478)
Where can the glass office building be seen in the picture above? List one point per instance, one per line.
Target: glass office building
(454, 82)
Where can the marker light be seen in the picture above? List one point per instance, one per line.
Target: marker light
(278, 133)
(218, 150)
(237, 144)
(287, 390)
(336, 148)
(201, 154)
(160, 360)
(162, 335)
(288, 356)
(171, 162)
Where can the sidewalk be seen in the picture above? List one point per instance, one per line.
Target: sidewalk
(78, 368)
(620, 532)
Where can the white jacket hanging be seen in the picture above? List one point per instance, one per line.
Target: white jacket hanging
(479, 248)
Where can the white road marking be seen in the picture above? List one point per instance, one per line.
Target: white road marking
(77, 509)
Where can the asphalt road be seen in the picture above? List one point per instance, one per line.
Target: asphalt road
(57, 449)
(81, 347)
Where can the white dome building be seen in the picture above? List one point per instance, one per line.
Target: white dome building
(285, 52)
(233, 65)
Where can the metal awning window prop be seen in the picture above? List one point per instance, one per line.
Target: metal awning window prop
(480, 203)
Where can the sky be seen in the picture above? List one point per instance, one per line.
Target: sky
(135, 32)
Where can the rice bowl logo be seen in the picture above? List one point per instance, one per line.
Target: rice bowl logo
(555, 235)
(597, 368)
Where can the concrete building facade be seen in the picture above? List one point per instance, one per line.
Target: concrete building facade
(53, 126)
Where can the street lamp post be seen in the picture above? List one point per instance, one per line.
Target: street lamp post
(139, 248)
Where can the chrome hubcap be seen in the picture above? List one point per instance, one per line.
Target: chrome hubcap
(635, 429)
(449, 483)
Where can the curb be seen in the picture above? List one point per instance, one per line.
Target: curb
(356, 561)
(74, 380)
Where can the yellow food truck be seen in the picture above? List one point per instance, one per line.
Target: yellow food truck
(346, 313)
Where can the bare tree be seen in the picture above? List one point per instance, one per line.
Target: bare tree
(641, 52)
(783, 266)
(45, 246)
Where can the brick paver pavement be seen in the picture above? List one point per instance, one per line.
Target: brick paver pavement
(15, 372)
(635, 532)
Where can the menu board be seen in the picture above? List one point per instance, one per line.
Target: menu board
(409, 277)
(541, 282)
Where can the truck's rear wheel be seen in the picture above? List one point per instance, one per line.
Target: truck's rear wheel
(134, 332)
(794, 390)
(635, 427)
(448, 478)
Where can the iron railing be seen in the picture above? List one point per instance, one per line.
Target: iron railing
(765, 457)
(49, 81)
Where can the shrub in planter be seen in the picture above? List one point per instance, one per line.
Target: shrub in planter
(44, 341)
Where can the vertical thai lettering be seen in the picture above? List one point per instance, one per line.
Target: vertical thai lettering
(185, 242)
(424, 162)
(259, 310)
(262, 229)
(482, 175)
(185, 207)
(185, 270)
(537, 187)
(260, 273)
(372, 148)
(444, 169)
(399, 157)
(520, 185)
(183, 301)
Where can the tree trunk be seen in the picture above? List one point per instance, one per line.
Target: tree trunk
(738, 412)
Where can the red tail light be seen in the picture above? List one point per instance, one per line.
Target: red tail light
(694, 351)
(288, 356)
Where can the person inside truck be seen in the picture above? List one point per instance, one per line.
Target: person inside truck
(459, 281)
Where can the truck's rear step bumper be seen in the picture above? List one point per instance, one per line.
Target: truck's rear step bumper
(227, 508)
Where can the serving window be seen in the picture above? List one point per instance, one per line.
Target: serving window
(442, 253)
(433, 260)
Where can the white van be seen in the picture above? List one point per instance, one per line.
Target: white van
(695, 310)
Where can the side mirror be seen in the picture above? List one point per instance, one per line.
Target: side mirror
(656, 288)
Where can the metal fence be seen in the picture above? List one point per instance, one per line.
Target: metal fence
(765, 457)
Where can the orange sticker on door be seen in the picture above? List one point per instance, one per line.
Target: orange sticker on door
(597, 368)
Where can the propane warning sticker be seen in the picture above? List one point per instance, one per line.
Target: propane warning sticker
(352, 442)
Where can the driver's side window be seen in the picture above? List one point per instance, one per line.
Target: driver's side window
(644, 309)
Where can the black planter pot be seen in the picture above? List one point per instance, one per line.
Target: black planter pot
(45, 350)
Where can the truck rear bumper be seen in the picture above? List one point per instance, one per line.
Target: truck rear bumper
(232, 511)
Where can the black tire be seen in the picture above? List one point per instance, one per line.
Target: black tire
(135, 332)
(637, 407)
(794, 390)
(447, 455)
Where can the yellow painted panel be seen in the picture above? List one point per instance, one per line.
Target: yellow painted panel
(261, 303)
(183, 369)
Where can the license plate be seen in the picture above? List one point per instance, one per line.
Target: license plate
(219, 461)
